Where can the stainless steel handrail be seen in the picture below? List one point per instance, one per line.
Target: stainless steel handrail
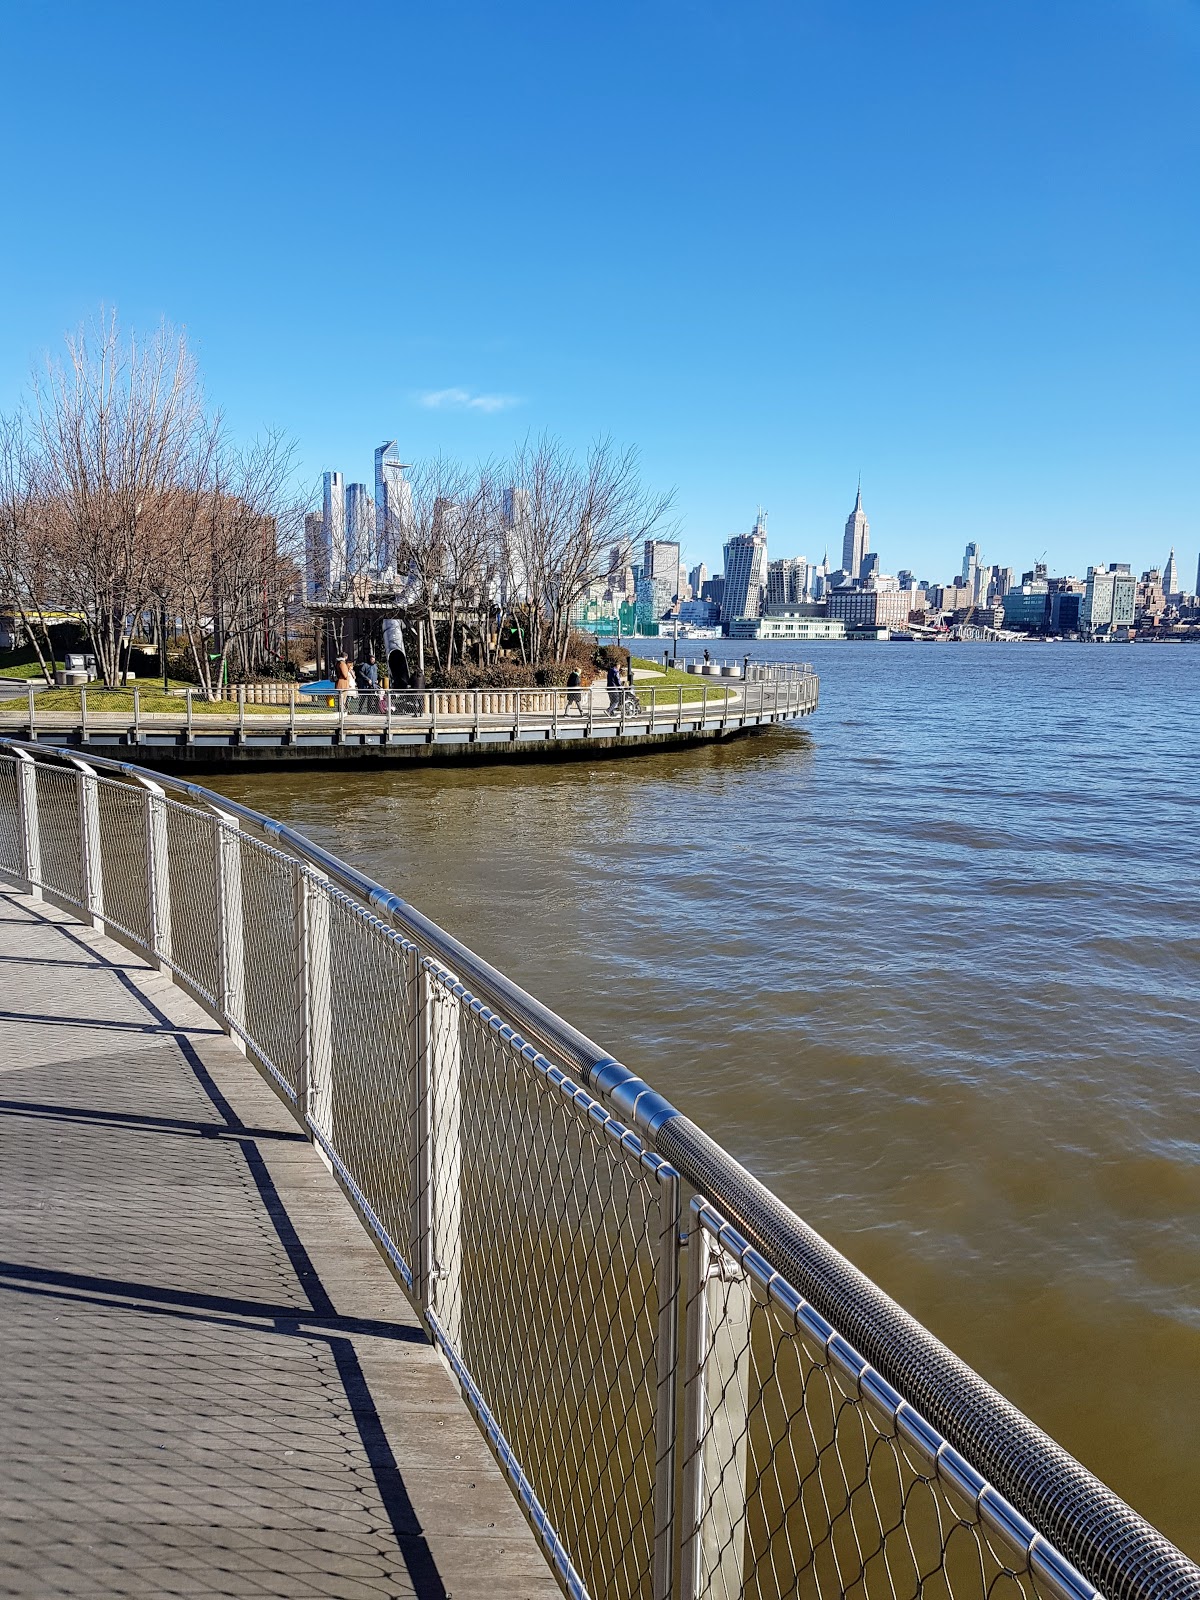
(1122, 1554)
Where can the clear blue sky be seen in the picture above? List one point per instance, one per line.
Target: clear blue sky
(956, 247)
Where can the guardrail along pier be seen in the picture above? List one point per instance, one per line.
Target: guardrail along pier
(434, 725)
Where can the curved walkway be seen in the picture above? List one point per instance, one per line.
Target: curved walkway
(210, 1384)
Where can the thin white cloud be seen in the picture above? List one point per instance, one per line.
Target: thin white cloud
(464, 400)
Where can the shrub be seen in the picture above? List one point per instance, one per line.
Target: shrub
(612, 655)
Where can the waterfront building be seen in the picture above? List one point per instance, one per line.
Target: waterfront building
(1170, 578)
(796, 622)
(1065, 605)
(1027, 608)
(873, 607)
(333, 527)
(713, 589)
(316, 557)
(393, 505)
(856, 541)
(1109, 600)
(745, 573)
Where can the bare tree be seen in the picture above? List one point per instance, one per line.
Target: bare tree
(564, 518)
(27, 569)
(236, 538)
(115, 422)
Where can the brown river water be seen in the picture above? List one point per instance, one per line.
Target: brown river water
(929, 964)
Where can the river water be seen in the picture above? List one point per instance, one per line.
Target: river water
(929, 964)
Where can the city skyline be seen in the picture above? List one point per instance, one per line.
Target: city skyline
(649, 244)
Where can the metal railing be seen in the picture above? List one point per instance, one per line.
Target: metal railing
(690, 1392)
(772, 692)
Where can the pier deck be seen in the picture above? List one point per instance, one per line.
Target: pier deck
(452, 726)
(210, 1384)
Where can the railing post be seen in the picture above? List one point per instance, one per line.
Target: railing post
(90, 860)
(653, 705)
(241, 713)
(433, 700)
(704, 705)
(314, 995)
(679, 711)
(292, 713)
(31, 836)
(716, 1423)
(227, 871)
(517, 732)
(189, 716)
(158, 873)
(83, 712)
(421, 1158)
(666, 1361)
(439, 1144)
(137, 715)
(554, 711)
(29, 694)
(475, 699)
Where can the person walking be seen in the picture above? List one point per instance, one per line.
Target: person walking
(613, 683)
(417, 699)
(707, 658)
(343, 681)
(574, 697)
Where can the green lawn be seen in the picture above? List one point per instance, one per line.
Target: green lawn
(670, 682)
(152, 702)
(29, 670)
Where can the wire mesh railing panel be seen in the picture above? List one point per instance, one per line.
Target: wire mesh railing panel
(191, 855)
(546, 1227)
(58, 828)
(798, 1480)
(10, 817)
(125, 896)
(270, 1022)
(372, 1067)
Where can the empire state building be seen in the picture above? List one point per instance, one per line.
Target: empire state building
(857, 542)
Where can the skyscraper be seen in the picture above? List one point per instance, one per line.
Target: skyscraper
(360, 530)
(393, 504)
(857, 541)
(514, 569)
(745, 573)
(333, 523)
(1170, 579)
(662, 561)
(698, 577)
(316, 557)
